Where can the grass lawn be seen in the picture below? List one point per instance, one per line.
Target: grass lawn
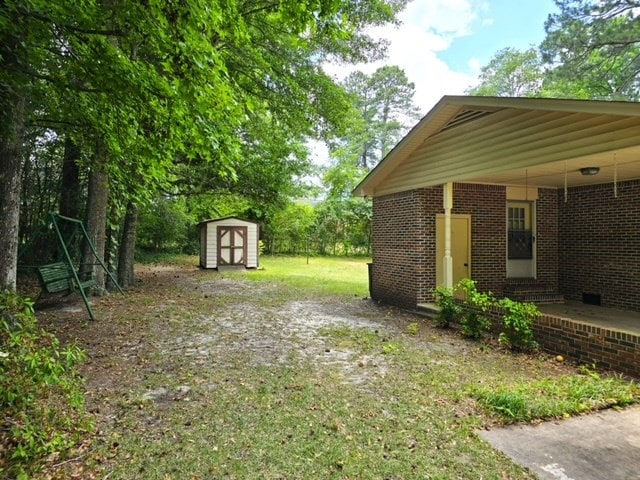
(290, 372)
(320, 275)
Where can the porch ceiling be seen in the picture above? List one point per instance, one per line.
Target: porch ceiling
(513, 142)
(622, 164)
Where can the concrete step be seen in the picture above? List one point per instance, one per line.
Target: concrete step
(429, 310)
(540, 298)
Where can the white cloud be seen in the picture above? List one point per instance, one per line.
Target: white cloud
(428, 27)
(475, 65)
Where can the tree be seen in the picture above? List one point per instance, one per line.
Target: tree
(155, 84)
(511, 73)
(382, 109)
(288, 228)
(595, 45)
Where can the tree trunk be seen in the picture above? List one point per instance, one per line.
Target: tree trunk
(12, 117)
(96, 219)
(126, 258)
(70, 192)
(11, 133)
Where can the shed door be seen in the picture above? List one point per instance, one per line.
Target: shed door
(232, 245)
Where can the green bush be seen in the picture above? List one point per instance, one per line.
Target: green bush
(41, 399)
(474, 305)
(450, 310)
(518, 323)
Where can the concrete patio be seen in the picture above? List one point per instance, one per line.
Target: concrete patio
(603, 317)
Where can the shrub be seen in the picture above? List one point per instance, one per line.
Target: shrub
(41, 399)
(450, 310)
(473, 321)
(518, 323)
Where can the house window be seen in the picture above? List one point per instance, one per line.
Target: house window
(520, 237)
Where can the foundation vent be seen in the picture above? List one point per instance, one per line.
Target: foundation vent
(591, 298)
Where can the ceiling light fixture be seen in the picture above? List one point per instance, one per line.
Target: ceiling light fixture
(590, 170)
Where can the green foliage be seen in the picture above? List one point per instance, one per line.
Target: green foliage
(379, 109)
(518, 317)
(180, 97)
(41, 396)
(594, 46)
(450, 309)
(511, 73)
(382, 107)
(413, 328)
(163, 225)
(475, 304)
(288, 230)
(343, 226)
(518, 323)
(557, 398)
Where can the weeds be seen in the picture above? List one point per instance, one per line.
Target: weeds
(470, 311)
(557, 397)
(518, 323)
(450, 310)
(41, 397)
(413, 328)
(473, 322)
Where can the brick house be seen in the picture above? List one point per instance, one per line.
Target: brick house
(537, 199)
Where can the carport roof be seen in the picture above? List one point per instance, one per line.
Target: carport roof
(513, 141)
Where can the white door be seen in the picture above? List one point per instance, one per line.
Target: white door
(521, 251)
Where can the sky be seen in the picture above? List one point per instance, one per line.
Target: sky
(442, 44)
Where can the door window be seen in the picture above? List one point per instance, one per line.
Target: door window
(520, 237)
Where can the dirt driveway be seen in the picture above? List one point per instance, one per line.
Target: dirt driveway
(199, 375)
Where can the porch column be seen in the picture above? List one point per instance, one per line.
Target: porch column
(447, 198)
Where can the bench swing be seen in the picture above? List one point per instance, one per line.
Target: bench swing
(63, 276)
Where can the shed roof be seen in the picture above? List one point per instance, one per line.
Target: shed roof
(512, 141)
(211, 220)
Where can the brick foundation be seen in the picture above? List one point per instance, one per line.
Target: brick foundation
(584, 343)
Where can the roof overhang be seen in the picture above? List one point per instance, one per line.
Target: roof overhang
(513, 141)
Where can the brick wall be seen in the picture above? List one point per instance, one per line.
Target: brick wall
(430, 204)
(547, 237)
(404, 242)
(487, 206)
(600, 244)
(588, 344)
(397, 249)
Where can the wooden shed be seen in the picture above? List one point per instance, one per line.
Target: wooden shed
(228, 241)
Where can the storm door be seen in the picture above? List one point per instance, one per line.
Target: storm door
(521, 240)
(232, 245)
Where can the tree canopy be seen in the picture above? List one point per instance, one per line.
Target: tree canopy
(511, 73)
(173, 96)
(591, 51)
(595, 44)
